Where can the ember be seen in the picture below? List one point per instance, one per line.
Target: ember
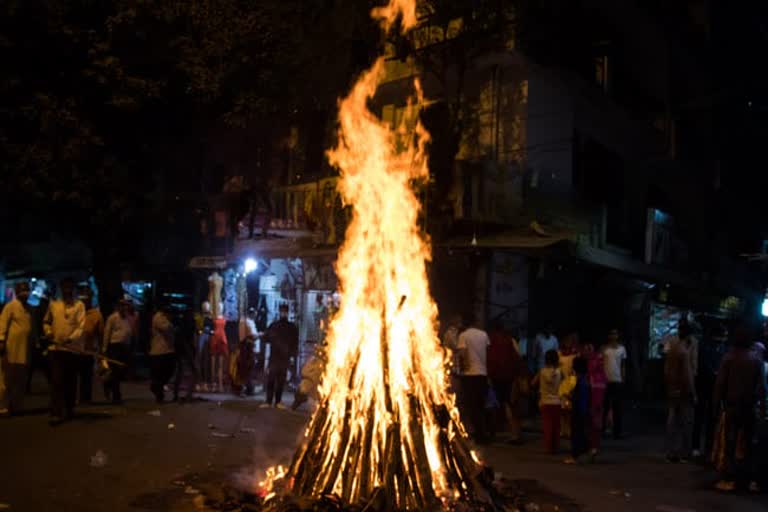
(386, 430)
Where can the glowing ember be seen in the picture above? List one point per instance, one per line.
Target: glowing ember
(386, 425)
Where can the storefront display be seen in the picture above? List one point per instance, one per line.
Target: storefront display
(664, 322)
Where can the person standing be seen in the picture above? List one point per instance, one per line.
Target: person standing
(580, 411)
(614, 360)
(544, 342)
(118, 333)
(711, 353)
(162, 356)
(93, 333)
(567, 353)
(597, 385)
(247, 350)
(681, 396)
(739, 388)
(64, 324)
(15, 328)
(37, 357)
(505, 369)
(548, 380)
(450, 344)
(472, 348)
(282, 336)
(186, 354)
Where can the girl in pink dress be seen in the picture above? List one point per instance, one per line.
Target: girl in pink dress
(597, 383)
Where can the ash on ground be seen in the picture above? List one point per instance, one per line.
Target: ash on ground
(218, 492)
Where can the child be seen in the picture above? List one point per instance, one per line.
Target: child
(580, 412)
(549, 378)
(311, 373)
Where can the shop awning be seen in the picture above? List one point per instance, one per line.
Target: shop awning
(531, 237)
(303, 247)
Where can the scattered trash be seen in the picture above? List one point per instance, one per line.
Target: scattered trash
(220, 434)
(248, 430)
(156, 412)
(171, 426)
(190, 490)
(99, 460)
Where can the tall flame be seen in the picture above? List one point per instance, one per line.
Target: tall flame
(385, 419)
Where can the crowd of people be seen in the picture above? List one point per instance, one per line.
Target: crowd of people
(715, 392)
(75, 343)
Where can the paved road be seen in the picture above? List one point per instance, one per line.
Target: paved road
(43, 468)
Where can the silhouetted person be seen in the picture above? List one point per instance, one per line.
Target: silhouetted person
(283, 338)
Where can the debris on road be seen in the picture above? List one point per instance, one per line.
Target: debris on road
(171, 426)
(99, 460)
(220, 434)
(156, 412)
(190, 490)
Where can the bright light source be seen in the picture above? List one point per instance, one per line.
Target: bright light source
(250, 265)
(765, 307)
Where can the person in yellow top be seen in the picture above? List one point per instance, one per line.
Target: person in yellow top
(63, 326)
(15, 326)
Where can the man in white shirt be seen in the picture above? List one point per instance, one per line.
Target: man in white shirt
(472, 347)
(118, 333)
(15, 326)
(614, 360)
(544, 342)
(63, 326)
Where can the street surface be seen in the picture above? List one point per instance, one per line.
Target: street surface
(158, 462)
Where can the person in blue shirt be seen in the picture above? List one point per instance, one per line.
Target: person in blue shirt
(580, 414)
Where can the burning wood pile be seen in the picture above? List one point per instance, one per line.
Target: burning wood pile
(387, 431)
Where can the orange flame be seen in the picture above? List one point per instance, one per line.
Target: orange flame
(386, 372)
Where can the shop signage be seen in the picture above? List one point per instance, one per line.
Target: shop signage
(208, 262)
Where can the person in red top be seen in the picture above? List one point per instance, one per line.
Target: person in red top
(506, 371)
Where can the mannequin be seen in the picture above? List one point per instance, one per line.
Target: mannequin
(219, 352)
(215, 283)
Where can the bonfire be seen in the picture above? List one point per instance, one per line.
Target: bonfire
(386, 430)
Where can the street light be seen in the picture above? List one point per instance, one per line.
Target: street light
(250, 265)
